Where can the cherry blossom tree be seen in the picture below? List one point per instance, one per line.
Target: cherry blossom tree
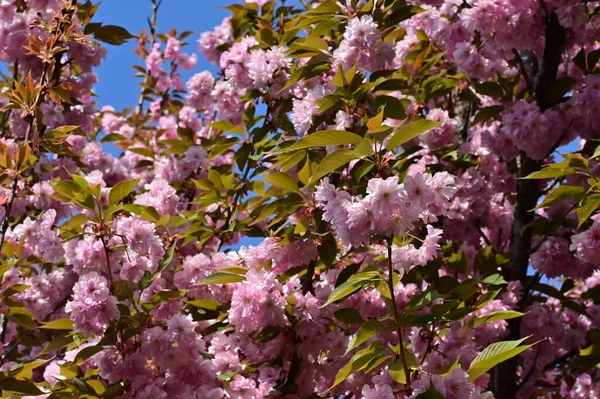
(420, 177)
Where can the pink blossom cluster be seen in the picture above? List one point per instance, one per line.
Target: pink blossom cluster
(38, 238)
(362, 45)
(389, 209)
(92, 307)
(587, 243)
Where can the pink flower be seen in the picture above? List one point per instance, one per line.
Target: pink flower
(587, 244)
(161, 196)
(242, 388)
(384, 392)
(154, 60)
(385, 195)
(92, 307)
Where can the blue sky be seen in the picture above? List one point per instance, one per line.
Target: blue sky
(116, 85)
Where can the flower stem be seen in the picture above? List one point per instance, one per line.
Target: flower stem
(402, 353)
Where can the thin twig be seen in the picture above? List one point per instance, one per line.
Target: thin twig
(485, 237)
(531, 370)
(107, 253)
(152, 27)
(232, 209)
(561, 138)
(7, 113)
(7, 210)
(396, 317)
(523, 70)
(307, 281)
(527, 292)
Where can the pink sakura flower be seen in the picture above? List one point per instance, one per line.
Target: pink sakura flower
(587, 245)
(384, 392)
(161, 196)
(385, 195)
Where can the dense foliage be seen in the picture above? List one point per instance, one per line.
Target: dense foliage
(423, 232)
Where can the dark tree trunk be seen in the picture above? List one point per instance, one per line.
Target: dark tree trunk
(505, 379)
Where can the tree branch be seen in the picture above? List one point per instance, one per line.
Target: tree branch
(528, 192)
(152, 27)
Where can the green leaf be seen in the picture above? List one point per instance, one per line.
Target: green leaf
(589, 205)
(365, 147)
(62, 130)
(283, 180)
(596, 153)
(495, 279)
(226, 126)
(325, 26)
(458, 261)
(148, 278)
(168, 258)
(374, 123)
(349, 316)
(209, 304)
(551, 171)
(422, 300)
(110, 34)
(306, 72)
(396, 370)
(80, 181)
(382, 133)
(333, 161)
(21, 317)
(63, 339)
(146, 212)
(325, 138)
(486, 113)
(59, 324)
(365, 332)
(339, 79)
(496, 316)
(447, 370)
(121, 190)
(431, 393)
(313, 44)
(561, 194)
(495, 354)
(410, 131)
(328, 250)
(24, 370)
(87, 352)
(326, 7)
(267, 334)
(359, 361)
(348, 288)
(348, 272)
(222, 278)
(492, 89)
(115, 389)
(67, 188)
(113, 137)
(141, 151)
(123, 289)
(393, 108)
(23, 387)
